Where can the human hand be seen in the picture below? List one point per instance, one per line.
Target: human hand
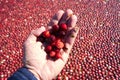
(35, 56)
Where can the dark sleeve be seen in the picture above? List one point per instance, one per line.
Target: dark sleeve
(22, 74)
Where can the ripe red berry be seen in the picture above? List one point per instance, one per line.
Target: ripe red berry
(63, 26)
(52, 38)
(59, 44)
(55, 28)
(58, 55)
(53, 43)
(48, 48)
(46, 34)
(52, 53)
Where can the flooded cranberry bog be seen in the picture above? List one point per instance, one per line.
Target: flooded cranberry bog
(96, 51)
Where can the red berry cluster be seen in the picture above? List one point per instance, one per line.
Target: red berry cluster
(53, 40)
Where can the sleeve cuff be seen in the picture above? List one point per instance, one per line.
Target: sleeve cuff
(22, 74)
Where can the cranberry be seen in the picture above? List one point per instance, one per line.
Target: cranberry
(48, 48)
(63, 26)
(55, 28)
(59, 44)
(52, 38)
(46, 34)
(61, 33)
(52, 53)
(58, 55)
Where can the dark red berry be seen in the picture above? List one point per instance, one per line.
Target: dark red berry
(48, 48)
(57, 50)
(62, 33)
(46, 34)
(53, 43)
(63, 26)
(55, 28)
(52, 53)
(52, 38)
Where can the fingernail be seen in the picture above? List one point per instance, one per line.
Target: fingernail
(69, 16)
(76, 28)
(42, 47)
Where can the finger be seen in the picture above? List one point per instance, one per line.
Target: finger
(71, 39)
(72, 22)
(56, 18)
(34, 34)
(66, 16)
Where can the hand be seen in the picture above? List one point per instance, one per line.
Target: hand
(35, 56)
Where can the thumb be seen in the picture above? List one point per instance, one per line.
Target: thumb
(34, 34)
(38, 31)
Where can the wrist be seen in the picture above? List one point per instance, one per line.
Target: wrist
(35, 74)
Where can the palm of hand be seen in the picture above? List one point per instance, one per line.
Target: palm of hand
(35, 56)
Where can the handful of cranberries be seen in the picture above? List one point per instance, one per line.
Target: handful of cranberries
(53, 40)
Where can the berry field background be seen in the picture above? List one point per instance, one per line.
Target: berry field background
(96, 52)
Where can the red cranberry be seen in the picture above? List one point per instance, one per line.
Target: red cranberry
(52, 38)
(58, 55)
(63, 26)
(52, 53)
(61, 33)
(48, 48)
(46, 34)
(55, 28)
(59, 44)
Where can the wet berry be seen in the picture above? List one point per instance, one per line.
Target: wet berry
(55, 28)
(59, 44)
(48, 48)
(46, 34)
(52, 53)
(58, 55)
(63, 26)
(52, 38)
(62, 33)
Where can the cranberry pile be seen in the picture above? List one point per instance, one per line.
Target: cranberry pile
(53, 40)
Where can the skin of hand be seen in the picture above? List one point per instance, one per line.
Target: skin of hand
(35, 56)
